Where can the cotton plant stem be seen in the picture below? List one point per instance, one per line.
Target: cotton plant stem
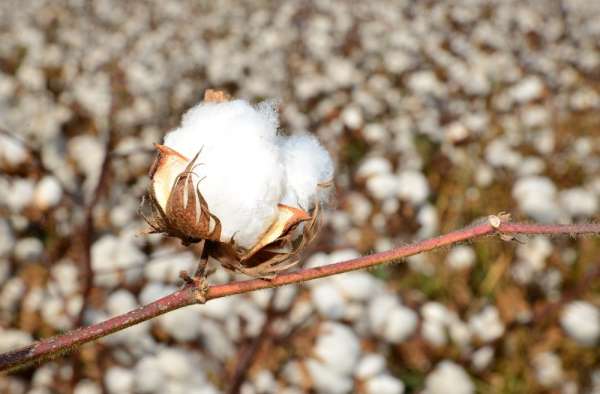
(189, 294)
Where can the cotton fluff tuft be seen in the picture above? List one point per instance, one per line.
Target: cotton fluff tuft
(307, 164)
(245, 169)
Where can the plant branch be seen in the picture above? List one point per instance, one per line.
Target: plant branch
(189, 294)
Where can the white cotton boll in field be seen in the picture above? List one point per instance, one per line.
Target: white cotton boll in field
(579, 202)
(13, 339)
(48, 193)
(434, 333)
(581, 320)
(337, 347)
(358, 286)
(382, 186)
(373, 166)
(28, 250)
(412, 186)
(536, 197)
(448, 378)
(111, 254)
(12, 152)
(328, 300)
(369, 365)
(121, 301)
(384, 384)
(307, 165)
(244, 169)
(166, 266)
(241, 167)
(149, 377)
(265, 382)
(487, 324)
(390, 320)
(19, 194)
(401, 323)
(176, 364)
(119, 380)
(327, 380)
(548, 369)
(181, 324)
(461, 257)
(87, 386)
(482, 358)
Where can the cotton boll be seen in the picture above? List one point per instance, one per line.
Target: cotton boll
(448, 378)
(48, 193)
(435, 312)
(328, 300)
(357, 286)
(13, 339)
(19, 194)
(66, 275)
(461, 257)
(28, 250)
(548, 368)
(379, 310)
(119, 380)
(482, 358)
(401, 323)
(412, 186)
(265, 382)
(121, 301)
(581, 320)
(374, 166)
(241, 170)
(337, 347)
(384, 384)
(12, 152)
(110, 253)
(536, 197)
(307, 164)
(167, 266)
(182, 324)
(327, 380)
(382, 186)
(369, 366)
(487, 324)
(175, 364)
(86, 386)
(434, 333)
(149, 377)
(579, 202)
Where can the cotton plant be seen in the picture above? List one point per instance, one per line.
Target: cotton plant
(226, 179)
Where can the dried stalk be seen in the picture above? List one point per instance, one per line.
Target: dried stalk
(189, 294)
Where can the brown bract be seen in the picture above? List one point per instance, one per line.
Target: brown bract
(175, 206)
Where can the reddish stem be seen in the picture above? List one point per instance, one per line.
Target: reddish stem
(52, 347)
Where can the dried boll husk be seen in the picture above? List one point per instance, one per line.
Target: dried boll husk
(175, 206)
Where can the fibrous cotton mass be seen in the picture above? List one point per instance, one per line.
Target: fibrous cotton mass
(246, 168)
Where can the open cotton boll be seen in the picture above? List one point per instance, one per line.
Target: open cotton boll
(307, 164)
(240, 168)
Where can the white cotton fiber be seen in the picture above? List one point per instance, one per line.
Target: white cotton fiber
(307, 164)
(246, 169)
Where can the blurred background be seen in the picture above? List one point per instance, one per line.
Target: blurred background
(437, 113)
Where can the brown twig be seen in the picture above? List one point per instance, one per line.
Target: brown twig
(189, 294)
(87, 232)
(249, 352)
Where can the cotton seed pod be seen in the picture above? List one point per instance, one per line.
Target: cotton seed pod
(176, 207)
